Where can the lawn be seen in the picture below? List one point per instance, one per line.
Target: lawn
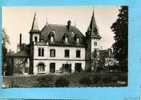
(82, 79)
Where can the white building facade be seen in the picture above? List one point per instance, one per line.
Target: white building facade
(55, 58)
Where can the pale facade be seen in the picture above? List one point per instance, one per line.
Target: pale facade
(58, 59)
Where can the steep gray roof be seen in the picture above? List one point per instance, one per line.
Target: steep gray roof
(92, 29)
(60, 32)
(34, 27)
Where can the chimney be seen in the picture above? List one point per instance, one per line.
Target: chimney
(68, 24)
(20, 39)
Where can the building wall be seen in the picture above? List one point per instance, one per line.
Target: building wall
(59, 58)
(59, 52)
(58, 65)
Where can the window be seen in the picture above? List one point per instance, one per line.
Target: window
(95, 43)
(52, 67)
(77, 53)
(51, 39)
(52, 52)
(40, 51)
(66, 68)
(77, 40)
(35, 39)
(66, 39)
(41, 67)
(67, 53)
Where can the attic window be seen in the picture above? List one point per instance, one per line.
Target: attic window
(51, 39)
(51, 36)
(77, 40)
(66, 39)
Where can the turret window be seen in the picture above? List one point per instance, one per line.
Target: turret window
(95, 43)
(35, 39)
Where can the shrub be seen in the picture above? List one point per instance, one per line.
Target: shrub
(106, 79)
(115, 78)
(86, 81)
(96, 79)
(45, 81)
(123, 77)
(62, 82)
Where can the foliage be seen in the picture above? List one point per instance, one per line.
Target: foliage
(120, 29)
(96, 78)
(5, 41)
(62, 82)
(45, 81)
(86, 81)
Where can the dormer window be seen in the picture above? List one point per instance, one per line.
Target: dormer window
(51, 39)
(51, 36)
(77, 38)
(65, 38)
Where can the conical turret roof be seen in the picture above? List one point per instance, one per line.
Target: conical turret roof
(34, 27)
(92, 29)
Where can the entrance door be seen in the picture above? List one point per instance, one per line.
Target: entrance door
(78, 67)
(52, 67)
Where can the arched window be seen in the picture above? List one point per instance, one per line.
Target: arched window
(41, 68)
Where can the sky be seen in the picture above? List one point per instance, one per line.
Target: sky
(16, 20)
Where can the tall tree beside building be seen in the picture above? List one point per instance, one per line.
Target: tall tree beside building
(120, 29)
(5, 41)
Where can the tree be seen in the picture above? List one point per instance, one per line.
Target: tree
(5, 41)
(120, 47)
